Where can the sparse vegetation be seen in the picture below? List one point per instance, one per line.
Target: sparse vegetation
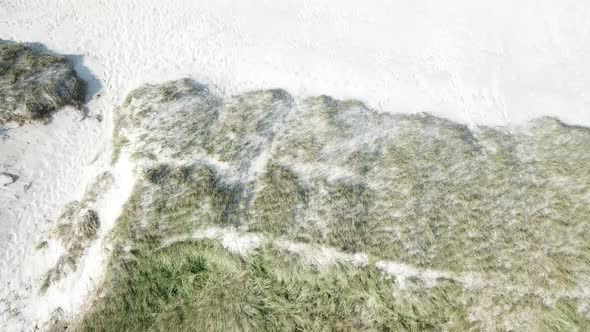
(32, 84)
(119, 140)
(462, 229)
(76, 228)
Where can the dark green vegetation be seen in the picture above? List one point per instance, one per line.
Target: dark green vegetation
(32, 85)
(255, 213)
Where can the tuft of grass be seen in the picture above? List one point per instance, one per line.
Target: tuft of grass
(57, 322)
(41, 245)
(32, 85)
(76, 228)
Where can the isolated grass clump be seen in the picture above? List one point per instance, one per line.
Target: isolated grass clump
(32, 84)
(261, 212)
(76, 228)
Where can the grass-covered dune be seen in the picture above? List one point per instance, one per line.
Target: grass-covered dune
(33, 84)
(259, 212)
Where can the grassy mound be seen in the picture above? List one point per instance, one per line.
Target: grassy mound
(32, 85)
(261, 212)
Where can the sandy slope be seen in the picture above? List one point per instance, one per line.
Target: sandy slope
(473, 61)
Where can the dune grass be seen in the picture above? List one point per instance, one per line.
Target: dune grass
(463, 228)
(32, 84)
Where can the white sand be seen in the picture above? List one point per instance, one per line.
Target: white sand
(477, 62)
